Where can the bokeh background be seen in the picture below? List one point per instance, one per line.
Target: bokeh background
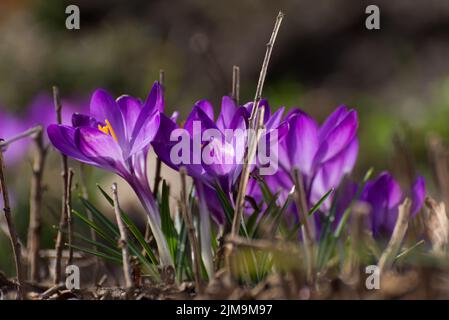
(396, 77)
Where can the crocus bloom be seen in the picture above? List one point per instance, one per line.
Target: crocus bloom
(199, 121)
(384, 196)
(323, 154)
(116, 136)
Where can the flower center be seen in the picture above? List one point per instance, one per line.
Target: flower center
(108, 129)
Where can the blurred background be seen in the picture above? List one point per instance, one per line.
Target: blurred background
(396, 77)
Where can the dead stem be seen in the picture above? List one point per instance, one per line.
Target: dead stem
(256, 121)
(64, 214)
(69, 215)
(437, 227)
(12, 231)
(188, 219)
(439, 156)
(389, 254)
(236, 84)
(123, 239)
(157, 174)
(301, 205)
(34, 229)
(24, 134)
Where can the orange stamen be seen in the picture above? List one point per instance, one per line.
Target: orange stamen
(107, 129)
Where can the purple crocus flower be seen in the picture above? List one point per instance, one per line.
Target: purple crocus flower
(323, 154)
(384, 196)
(116, 136)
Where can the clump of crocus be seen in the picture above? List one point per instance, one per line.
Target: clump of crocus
(116, 136)
(322, 154)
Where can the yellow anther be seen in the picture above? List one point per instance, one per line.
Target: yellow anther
(108, 129)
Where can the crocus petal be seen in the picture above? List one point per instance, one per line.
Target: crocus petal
(147, 122)
(63, 138)
(103, 107)
(302, 142)
(101, 149)
(130, 108)
(82, 120)
(263, 103)
(275, 119)
(146, 134)
(228, 109)
(338, 138)
(207, 107)
(332, 121)
(199, 117)
(155, 99)
(418, 194)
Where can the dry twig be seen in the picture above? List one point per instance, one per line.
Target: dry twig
(12, 230)
(188, 219)
(64, 214)
(123, 239)
(34, 229)
(392, 249)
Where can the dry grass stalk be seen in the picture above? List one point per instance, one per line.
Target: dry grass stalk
(12, 230)
(439, 156)
(123, 239)
(306, 229)
(64, 214)
(256, 122)
(350, 272)
(437, 226)
(34, 229)
(188, 219)
(236, 84)
(69, 215)
(392, 249)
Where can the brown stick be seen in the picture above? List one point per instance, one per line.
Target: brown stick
(256, 121)
(34, 228)
(236, 84)
(301, 205)
(64, 213)
(123, 239)
(194, 245)
(157, 175)
(12, 231)
(24, 134)
(389, 254)
(69, 215)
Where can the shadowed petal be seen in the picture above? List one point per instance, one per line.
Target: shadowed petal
(302, 142)
(207, 108)
(130, 108)
(101, 149)
(63, 138)
(82, 120)
(338, 138)
(332, 121)
(103, 107)
(418, 194)
(228, 109)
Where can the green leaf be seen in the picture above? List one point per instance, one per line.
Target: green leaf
(94, 226)
(96, 253)
(320, 202)
(227, 207)
(133, 228)
(168, 227)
